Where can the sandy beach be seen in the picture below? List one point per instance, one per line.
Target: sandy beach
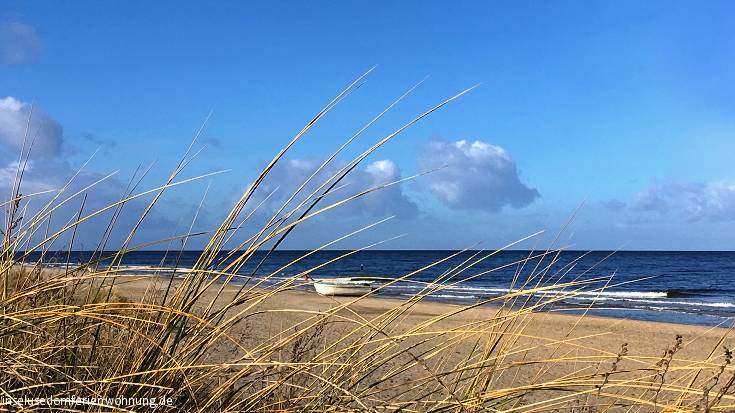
(570, 346)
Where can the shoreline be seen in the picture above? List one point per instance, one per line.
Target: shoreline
(138, 274)
(136, 286)
(614, 313)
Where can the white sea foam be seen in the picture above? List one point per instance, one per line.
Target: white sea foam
(671, 302)
(655, 298)
(602, 294)
(448, 296)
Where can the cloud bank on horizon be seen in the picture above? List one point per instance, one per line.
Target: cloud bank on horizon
(692, 201)
(464, 175)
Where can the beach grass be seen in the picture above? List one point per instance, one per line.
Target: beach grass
(210, 338)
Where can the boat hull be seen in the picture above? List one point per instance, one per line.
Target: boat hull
(342, 289)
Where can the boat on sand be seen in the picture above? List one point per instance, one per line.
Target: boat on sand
(342, 286)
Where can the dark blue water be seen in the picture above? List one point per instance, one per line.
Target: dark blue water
(679, 287)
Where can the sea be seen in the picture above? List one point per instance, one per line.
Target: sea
(666, 286)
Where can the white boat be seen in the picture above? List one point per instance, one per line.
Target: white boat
(342, 286)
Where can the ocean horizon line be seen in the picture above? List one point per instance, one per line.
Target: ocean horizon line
(397, 250)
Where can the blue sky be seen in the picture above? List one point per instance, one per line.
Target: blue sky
(623, 106)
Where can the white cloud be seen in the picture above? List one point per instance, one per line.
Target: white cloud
(52, 174)
(474, 176)
(386, 201)
(48, 134)
(49, 171)
(18, 43)
(385, 170)
(33, 181)
(693, 201)
(291, 173)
